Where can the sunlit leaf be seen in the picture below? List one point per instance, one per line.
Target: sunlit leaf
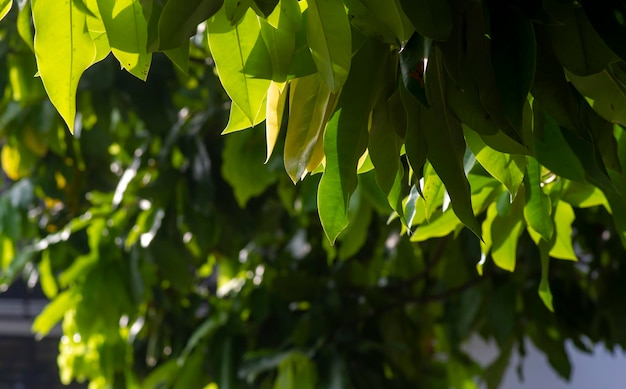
(276, 99)
(538, 209)
(310, 105)
(54, 312)
(505, 232)
(506, 168)
(126, 28)
(5, 7)
(563, 219)
(232, 48)
(64, 50)
(328, 34)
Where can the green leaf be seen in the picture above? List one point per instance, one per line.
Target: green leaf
(576, 43)
(506, 229)
(544, 285)
(355, 236)
(296, 371)
(432, 192)
(384, 148)
(608, 20)
(97, 30)
(506, 168)
(608, 98)
(266, 6)
(235, 10)
(5, 7)
(440, 225)
(243, 166)
(280, 43)
(310, 105)
(24, 28)
(287, 17)
(413, 60)
(446, 145)
(127, 31)
(380, 20)
(237, 119)
(431, 18)
(179, 56)
(513, 55)
(46, 276)
(64, 50)
(328, 34)
(367, 22)
(563, 219)
(415, 142)
(232, 48)
(475, 49)
(538, 208)
(551, 148)
(54, 312)
(583, 195)
(345, 138)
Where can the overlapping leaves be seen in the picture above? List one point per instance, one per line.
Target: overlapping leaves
(530, 96)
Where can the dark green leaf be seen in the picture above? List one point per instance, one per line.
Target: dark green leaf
(446, 145)
(179, 21)
(345, 138)
(431, 18)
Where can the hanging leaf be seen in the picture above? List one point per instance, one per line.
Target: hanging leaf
(5, 7)
(126, 29)
(413, 60)
(97, 30)
(328, 34)
(415, 142)
(563, 219)
(243, 166)
(380, 20)
(475, 49)
(280, 44)
(446, 145)
(576, 43)
(538, 209)
(431, 18)
(244, 41)
(368, 23)
(64, 50)
(266, 7)
(608, 99)
(345, 138)
(551, 149)
(179, 21)
(513, 55)
(310, 105)
(384, 148)
(433, 191)
(276, 98)
(607, 18)
(544, 286)
(506, 168)
(235, 10)
(24, 27)
(506, 228)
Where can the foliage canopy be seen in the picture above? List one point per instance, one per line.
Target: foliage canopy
(505, 117)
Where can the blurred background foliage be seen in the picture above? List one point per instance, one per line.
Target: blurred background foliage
(175, 257)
